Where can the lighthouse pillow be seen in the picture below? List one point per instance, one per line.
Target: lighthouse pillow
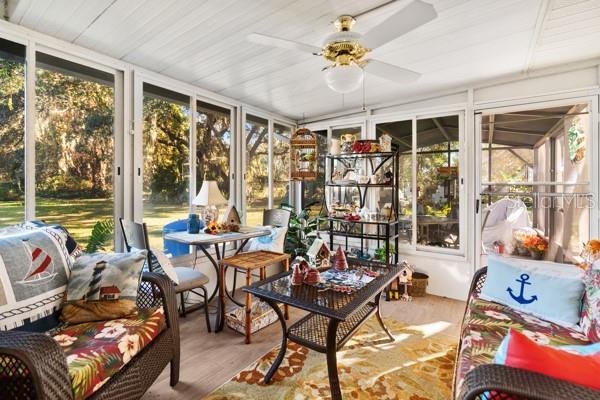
(547, 290)
(103, 286)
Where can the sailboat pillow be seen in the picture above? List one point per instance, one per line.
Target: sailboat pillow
(548, 290)
(103, 286)
(34, 269)
(275, 241)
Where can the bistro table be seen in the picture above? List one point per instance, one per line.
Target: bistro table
(333, 317)
(203, 241)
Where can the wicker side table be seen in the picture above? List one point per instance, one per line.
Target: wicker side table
(249, 262)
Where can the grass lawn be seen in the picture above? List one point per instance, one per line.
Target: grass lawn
(79, 216)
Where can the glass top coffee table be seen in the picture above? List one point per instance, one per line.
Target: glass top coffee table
(333, 317)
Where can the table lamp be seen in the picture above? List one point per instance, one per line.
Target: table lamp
(209, 197)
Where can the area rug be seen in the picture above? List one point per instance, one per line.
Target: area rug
(419, 365)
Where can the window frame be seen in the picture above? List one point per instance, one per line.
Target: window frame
(292, 186)
(592, 151)
(232, 148)
(138, 141)
(414, 248)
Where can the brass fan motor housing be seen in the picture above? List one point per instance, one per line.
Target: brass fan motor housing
(344, 52)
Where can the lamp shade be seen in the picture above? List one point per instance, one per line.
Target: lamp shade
(344, 78)
(209, 195)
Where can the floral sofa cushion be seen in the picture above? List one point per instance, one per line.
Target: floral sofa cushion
(485, 325)
(590, 316)
(97, 350)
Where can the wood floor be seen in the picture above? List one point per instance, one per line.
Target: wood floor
(209, 360)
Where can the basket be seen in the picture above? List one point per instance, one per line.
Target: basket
(262, 315)
(419, 285)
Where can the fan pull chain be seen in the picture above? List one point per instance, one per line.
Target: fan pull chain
(364, 85)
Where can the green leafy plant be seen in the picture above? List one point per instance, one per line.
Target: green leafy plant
(380, 252)
(101, 237)
(302, 230)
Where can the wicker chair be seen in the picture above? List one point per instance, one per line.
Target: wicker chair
(34, 366)
(135, 235)
(500, 382)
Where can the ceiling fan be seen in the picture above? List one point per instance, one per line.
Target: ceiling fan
(347, 50)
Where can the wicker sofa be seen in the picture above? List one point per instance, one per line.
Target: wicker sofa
(34, 366)
(484, 325)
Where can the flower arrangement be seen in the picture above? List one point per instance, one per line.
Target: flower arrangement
(536, 245)
(590, 253)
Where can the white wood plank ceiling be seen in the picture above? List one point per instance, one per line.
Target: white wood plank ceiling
(203, 42)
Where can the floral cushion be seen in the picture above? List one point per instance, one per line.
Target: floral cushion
(590, 315)
(97, 350)
(485, 325)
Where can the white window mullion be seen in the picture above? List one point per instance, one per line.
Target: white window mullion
(138, 148)
(118, 130)
(413, 189)
(270, 162)
(30, 119)
(192, 156)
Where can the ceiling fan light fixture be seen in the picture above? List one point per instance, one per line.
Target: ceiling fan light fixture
(344, 78)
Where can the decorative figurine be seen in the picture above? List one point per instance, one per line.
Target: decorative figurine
(340, 260)
(319, 253)
(312, 276)
(385, 143)
(231, 216)
(299, 268)
(405, 278)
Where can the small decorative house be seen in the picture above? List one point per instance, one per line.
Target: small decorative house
(318, 254)
(303, 156)
(406, 272)
(109, 293)
(405, 278)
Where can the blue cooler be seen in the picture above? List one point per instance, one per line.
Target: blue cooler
(176, 248)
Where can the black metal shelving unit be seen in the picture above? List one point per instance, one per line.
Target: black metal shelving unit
(386, 231)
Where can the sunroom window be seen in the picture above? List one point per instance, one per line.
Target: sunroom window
(12, 132)
(535, 181)
(74, 152)
(429, 182)
(213, 146)
(166, 141)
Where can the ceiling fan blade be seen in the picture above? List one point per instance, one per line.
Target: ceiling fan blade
(266, 40)
(410, 17)
(391, 72)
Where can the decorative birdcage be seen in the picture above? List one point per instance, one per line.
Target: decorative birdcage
(303, 156)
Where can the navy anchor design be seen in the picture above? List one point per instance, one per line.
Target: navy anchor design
(520, 299)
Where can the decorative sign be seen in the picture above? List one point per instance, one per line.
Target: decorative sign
(448, 172)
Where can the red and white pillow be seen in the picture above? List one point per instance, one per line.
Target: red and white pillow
(576, 364)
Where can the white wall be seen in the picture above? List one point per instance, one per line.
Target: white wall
(450, 275)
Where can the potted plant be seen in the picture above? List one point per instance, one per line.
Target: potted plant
(380, 253)
(536, 246)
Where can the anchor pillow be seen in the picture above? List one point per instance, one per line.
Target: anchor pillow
(547, 290)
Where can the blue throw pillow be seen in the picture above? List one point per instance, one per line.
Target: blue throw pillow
(547, 290)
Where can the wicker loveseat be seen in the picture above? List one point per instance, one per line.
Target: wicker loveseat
(484, 326)
(34, 365)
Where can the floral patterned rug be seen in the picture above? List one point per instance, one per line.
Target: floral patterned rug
(419, 365)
